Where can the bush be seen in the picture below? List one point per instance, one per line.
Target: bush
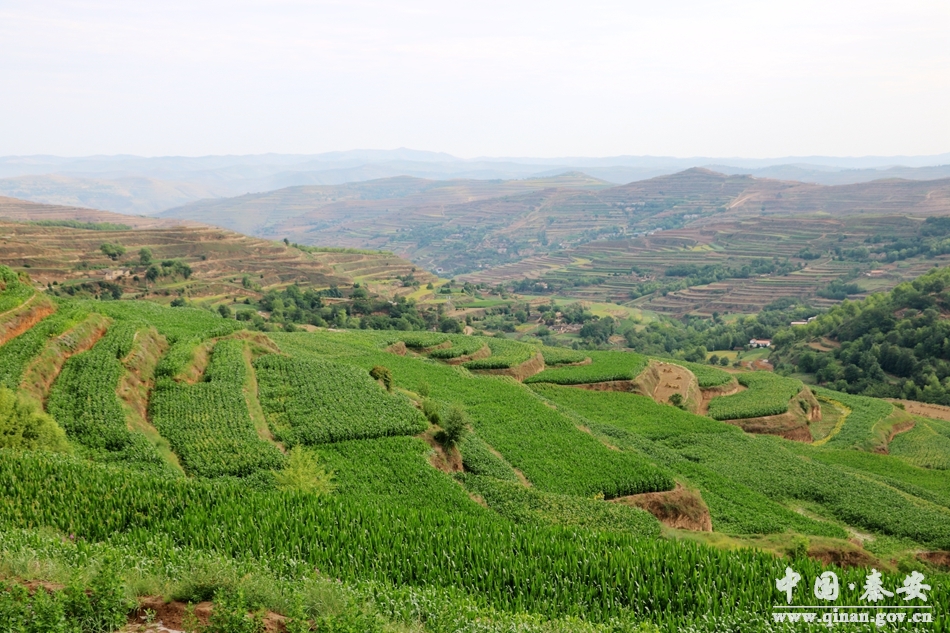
(383, 374)
(453, 426)
(305, 473)
(24, 425)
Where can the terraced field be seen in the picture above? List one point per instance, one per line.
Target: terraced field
(528, 522)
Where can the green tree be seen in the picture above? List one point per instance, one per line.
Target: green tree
(225, 311)
(112, 251)
(145, 256)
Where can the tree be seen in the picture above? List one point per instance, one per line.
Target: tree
(112, 251)
(454, 425)
(152, 273)
(450, 326)
(225, 311)
(145, 256)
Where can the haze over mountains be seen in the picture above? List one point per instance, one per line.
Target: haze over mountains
(138, 185)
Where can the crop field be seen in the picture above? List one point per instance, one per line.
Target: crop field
(16, 354)
(317, 401)
(505, 354)
(545, 446)
(604, 366)
(394, 470)
(517, 518)
(527, 506)
(596, 575)
(208, 424)
(706, 375)
(926, 445)
(562, 356)
(84, 401)
(766, 394)
(13, 292)
(858, 428)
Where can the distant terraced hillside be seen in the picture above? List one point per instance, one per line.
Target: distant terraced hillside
(463, 226)
(218, 259)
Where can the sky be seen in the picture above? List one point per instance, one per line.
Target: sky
(487, 78)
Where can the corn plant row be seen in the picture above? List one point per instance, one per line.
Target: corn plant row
(562, 356)
(17, 353)
(394, 470)
(314, 401)
(551, 571)
(83, 401)
(504, 354)
(604, 367)
(208, 424)
(766, 394)
(524, 505)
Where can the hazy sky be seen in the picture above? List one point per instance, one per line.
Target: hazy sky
(510, 78)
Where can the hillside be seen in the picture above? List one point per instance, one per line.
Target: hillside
(377, 481)
(605, 243)
(65, 246)
(890, 345)
(294, 211)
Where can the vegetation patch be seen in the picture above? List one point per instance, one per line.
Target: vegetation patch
(313, 401)
(208, 424)
(604, 367)
(767, 394)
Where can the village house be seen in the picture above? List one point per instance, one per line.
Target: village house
(760, 342)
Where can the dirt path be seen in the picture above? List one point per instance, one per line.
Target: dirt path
(254, 403)
(135, 385)
(845, 412)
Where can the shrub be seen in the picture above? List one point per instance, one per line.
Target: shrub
(24, 425)
(382, 374)
(305, 473)
(454, 426)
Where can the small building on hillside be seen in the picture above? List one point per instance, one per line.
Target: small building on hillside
(112, 275)
(799, 322)
(760, 342)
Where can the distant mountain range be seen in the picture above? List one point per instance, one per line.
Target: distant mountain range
(139, 185)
